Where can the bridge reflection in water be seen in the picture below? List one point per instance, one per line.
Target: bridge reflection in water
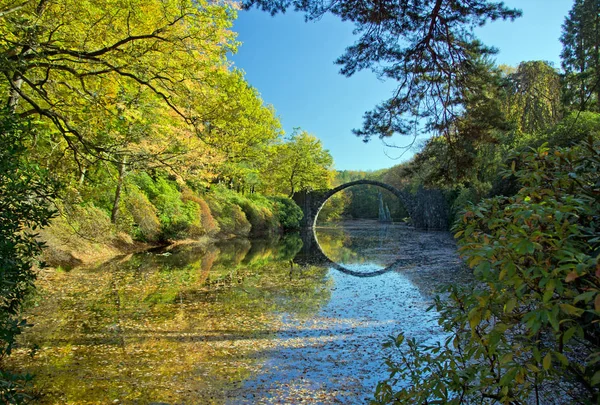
(313, 253)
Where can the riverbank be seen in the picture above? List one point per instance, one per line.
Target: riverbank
(77, 250)
(84, 234)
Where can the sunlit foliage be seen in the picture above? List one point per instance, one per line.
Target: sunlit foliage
(529, 331)
(25, 193)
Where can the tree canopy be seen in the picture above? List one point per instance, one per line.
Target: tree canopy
(300, 163)
(426, 46)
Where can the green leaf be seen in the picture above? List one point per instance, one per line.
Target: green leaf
(547, 362)
(596, 378)
(571, 310)
(586, 296)
(525, 246)
(569, 334)
(506, 358)
(510, 305)
(508, 378)
(562, 358)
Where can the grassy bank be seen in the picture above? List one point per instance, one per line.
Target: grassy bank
(154, 212)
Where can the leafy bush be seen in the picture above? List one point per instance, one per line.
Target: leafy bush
(288, 213)
(530, 332)
(232, 220)
(259, 212)
(464, 197)
(86, 219)
(208, 224)
(146, 184)
(80, 233)
(25, 192)
(147, 224)
(178, 218)
(575, 128)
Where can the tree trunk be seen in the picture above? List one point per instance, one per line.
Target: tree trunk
(115, 210)
(82, 176)
(13, 98)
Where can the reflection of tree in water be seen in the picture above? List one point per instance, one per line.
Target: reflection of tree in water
(348, 244)
(337, 245)
(178, 326)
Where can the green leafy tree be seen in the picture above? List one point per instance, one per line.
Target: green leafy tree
(299, 164)
(64, 60)
(532, 97)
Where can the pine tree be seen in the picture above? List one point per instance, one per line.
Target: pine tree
(581, 55)
(426, 46)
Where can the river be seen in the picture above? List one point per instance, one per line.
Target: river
(237, 322)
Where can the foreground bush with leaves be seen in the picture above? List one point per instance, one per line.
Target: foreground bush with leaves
(24, 197)
(528, 332)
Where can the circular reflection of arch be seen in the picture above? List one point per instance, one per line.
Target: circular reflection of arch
(402, 196)
(395, 265)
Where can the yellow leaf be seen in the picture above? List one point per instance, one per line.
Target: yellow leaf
(506, 358)
(547, 361)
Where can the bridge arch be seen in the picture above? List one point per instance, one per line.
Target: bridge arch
(427, 208)
(404, 198)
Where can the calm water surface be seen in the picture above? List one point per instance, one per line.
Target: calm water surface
(240, 322)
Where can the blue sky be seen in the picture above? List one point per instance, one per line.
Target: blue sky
(290, 62)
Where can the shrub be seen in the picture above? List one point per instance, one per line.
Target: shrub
(230, 217)
(288, 213)
(575, 128)
(210, 224)
(207, 223)
(178, 218)
(530, 333)
(25, 192)
(464, 197)
(88, 220)
(259, 212)
(147, 224)
(145, 183)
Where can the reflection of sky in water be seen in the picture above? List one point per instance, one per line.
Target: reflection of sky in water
(235, 322)
(336, 356)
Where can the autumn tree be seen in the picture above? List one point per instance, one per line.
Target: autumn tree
(132, 87)
(242, 132)
(426, 46)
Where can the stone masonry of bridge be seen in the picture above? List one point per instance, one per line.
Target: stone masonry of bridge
(427, 208)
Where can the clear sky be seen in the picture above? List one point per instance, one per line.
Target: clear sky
(290, 62)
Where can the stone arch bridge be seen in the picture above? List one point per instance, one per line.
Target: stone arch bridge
(427, 208)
